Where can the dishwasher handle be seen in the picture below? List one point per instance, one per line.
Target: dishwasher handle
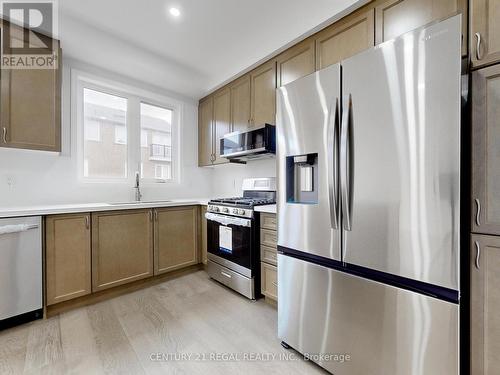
(17, 228)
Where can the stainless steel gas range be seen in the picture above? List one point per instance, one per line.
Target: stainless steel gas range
(233, 236)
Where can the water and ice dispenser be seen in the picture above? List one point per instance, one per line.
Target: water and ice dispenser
(302, 179)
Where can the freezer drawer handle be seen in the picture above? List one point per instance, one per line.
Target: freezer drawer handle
(478, 254)
(225, 274)
(478, 212)
(9, 229)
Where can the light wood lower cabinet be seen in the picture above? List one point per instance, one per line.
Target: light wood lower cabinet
(269, 281)
(122, 247)
(68, 254)
(176, 238)
(485, 305)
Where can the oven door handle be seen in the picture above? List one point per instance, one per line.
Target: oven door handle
(228, 220)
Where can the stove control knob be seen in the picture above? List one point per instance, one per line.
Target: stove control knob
(225, 209)
(215, 208)
(241, 212)
(235, 211)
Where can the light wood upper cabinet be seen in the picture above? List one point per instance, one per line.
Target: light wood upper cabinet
(205, 132)
(122, 247)
(263, 94)
(31, 108)
(176, 238)
(396, 17)
(222, 121)
(345, 38)
(296, 62)
(240, 104)
(484, 305)
(485, 24)
(485, 155)
(68, 267)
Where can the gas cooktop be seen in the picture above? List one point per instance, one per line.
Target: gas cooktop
(247, 202)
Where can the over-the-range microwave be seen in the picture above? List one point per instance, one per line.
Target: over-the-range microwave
(247, 145)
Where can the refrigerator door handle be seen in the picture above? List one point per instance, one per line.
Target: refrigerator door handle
(333, 163)
(346, 163)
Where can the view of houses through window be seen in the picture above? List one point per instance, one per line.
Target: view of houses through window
(106, 131)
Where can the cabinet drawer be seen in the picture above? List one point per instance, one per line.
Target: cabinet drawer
(268, 238)
(269, 281)
(268, 255)
(268, 221)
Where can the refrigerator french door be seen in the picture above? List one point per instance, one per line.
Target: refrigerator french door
(368, 208)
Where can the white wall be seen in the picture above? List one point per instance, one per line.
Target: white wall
(227, 178)
(37, 178)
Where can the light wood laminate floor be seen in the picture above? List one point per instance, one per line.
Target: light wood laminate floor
(190, 315)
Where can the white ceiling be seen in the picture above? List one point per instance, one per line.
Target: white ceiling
(211, 42)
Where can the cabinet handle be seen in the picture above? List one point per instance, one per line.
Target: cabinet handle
(478, 46)
(478, 212)
(87, 222)
(150, 215)
(478, 254)
(4, 134)
(156, 215)
(275, 284)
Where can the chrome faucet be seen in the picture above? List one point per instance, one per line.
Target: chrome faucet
(137, 187)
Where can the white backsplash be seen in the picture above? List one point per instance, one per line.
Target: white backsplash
(228, 178)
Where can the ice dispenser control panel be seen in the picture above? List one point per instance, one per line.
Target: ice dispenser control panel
(302, 178)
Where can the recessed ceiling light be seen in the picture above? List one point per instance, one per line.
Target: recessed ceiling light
(175, 12)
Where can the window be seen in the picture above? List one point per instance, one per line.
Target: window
(102, 115)
(122, 130)
(156, 159)
(120, 134)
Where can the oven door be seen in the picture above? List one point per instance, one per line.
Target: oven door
(229, 242)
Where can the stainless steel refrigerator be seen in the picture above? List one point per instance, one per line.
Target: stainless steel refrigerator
(368, 154)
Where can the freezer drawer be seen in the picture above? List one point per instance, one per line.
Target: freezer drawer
(384, 330)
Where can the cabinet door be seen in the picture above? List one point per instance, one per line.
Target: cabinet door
(485, 24)
(67, 257)
(122, 247)
(485, 305)
(345, 38)
(396, 17)
(205, 132)
(269, 281)
(176, 238)
(263, 94)
(296, 62)
(240, 104)
(485, 150)
(204, 243)
(31, 108)
(222, 121)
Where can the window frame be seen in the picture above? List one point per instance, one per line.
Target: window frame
(135, 96)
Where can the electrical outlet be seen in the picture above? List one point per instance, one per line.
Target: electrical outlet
(10, 181)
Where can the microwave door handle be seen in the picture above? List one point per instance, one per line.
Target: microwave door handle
(332, 150)
(345, 163)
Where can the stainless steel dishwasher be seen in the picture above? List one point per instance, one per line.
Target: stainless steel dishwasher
(20, 270)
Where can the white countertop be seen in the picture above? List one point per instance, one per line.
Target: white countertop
(268, 208)
(93, 207)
